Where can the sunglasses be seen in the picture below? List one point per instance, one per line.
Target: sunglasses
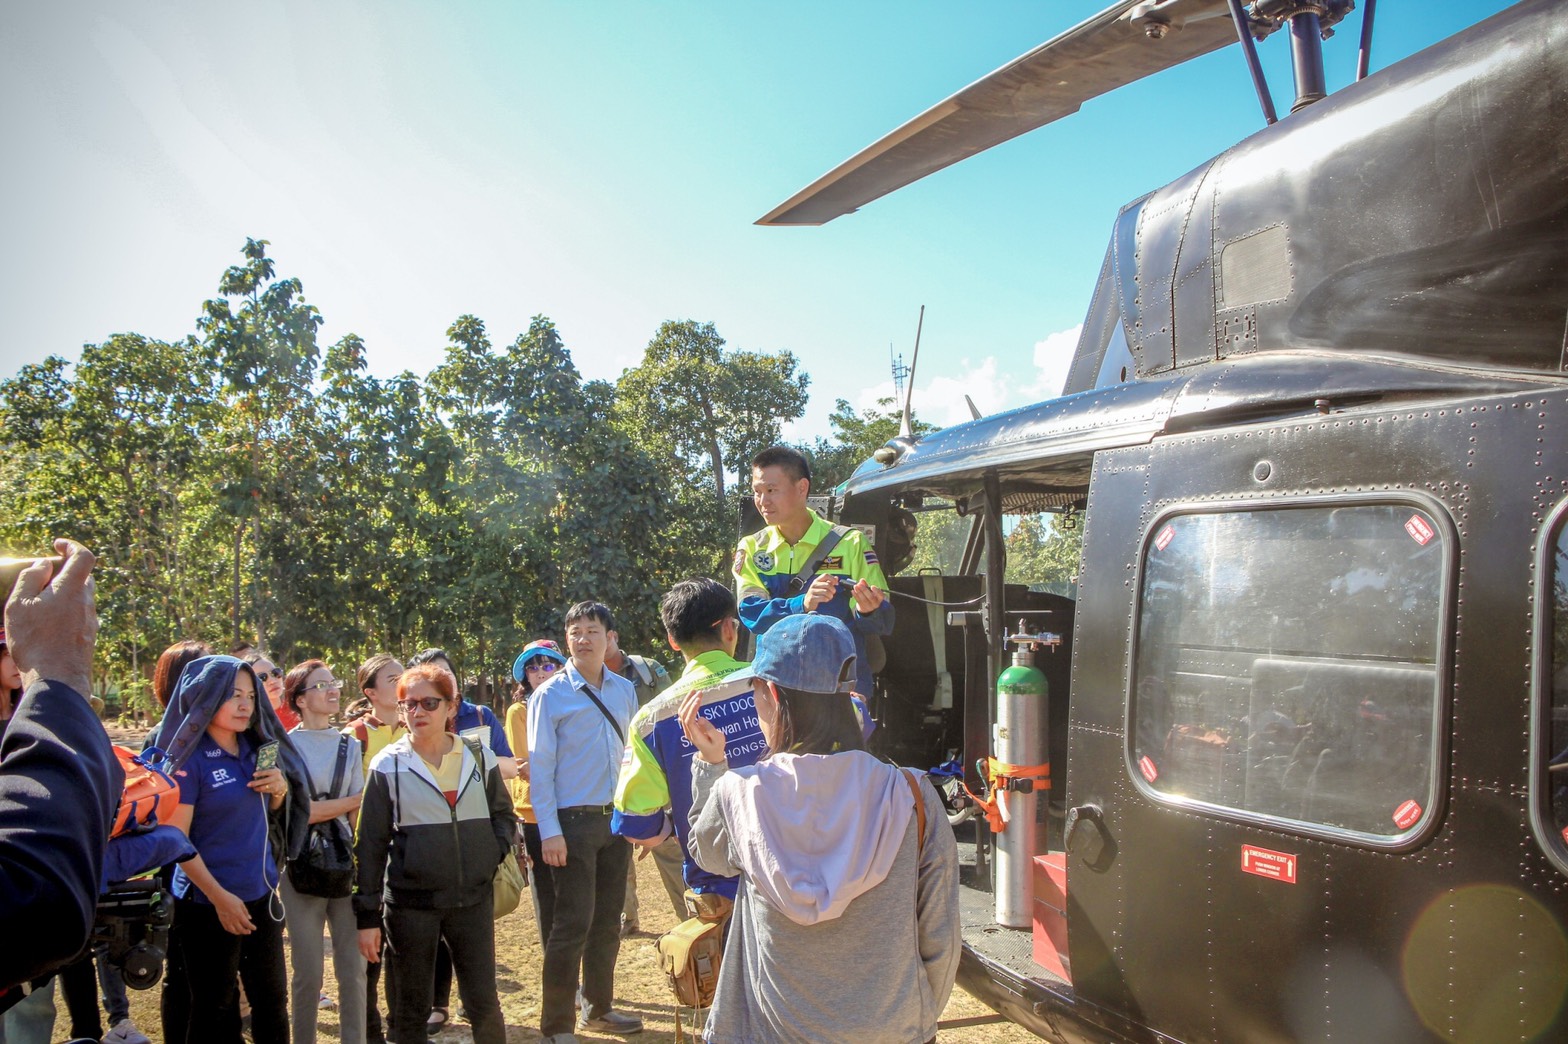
(541, 664)
(276, 672)
(429, 703)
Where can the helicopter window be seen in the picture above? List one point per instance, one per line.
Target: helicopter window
(1287, 665)
(1552, 742)
(1043, 551)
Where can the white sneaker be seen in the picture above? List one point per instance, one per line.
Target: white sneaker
(326, 1003)
(125, 1032)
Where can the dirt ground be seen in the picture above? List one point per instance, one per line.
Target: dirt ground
(640, 986)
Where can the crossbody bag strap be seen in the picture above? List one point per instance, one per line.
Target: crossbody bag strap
(340, 767)
(478, 755)
(606, 712)
(802, 577)
(920, 811)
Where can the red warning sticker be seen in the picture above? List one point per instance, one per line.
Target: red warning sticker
(1565, 835)
(1277, 866)
(1405, 815)
(1163, 541)
(1146, 766)
(1420, 530)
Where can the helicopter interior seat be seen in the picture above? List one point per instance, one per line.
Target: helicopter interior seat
(916, 732)
(1358, 737)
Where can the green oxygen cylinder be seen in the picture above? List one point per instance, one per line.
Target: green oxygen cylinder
(1019, 739)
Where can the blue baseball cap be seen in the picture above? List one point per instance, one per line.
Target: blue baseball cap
(807, 653)
(543, 647)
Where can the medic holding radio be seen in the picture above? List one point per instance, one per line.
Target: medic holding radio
(802, 563)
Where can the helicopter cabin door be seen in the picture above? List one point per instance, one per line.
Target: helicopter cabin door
(1264, 831)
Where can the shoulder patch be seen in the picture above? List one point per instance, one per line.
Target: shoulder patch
(739, 563)
(763, 560)
(871, 557)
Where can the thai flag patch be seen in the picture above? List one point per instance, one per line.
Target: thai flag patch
(871, 557)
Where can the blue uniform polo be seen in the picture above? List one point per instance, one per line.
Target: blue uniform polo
(228, 821)
(480, 723)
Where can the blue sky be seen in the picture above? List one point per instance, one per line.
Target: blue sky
(601, 163)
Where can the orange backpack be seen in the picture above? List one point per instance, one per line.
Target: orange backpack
(150, 795)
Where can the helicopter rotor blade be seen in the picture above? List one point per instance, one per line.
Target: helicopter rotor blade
(1124, 43)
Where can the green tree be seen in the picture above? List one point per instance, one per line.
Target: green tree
(1041, 551)
(116, 456)
(262, 335)
(709, 409)
(855, 437)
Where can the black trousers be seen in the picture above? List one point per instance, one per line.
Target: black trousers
(586, 929)
(542, 877)
(216, 961)
(442, 996)
(412, 938)
(78, 987)
(374, 1034)
(174, 1001)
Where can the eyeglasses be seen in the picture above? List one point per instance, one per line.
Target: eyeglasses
(276, 672)
(429, 703)
(330, 685)
(541, 664)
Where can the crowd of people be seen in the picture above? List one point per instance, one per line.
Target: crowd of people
(378, 823)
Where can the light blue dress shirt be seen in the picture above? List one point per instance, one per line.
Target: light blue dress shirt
(574, 756)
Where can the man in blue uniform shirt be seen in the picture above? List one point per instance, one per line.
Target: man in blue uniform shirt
(847, 581)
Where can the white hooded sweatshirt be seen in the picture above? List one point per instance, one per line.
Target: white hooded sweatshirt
(842, 929)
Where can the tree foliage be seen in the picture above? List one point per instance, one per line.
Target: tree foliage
(242, 481)
(855, 437)
(1043, 552)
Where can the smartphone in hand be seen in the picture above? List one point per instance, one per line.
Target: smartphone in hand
(267, 756)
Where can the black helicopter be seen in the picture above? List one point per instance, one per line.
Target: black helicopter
(1302, 772)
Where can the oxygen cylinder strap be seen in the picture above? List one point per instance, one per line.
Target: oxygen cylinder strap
(1000, 777)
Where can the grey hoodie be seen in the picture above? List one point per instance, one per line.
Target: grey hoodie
(841, 930)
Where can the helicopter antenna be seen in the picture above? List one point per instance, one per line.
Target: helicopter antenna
(908, 428)
(1364, 55)
(1249, 48)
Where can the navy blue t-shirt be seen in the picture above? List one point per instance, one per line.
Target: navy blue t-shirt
(480, 723)
(228, 821)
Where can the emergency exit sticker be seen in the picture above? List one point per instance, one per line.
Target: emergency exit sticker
(1163, 541)
(1146, 766)
(1420, 530)
(1405, 815)
(1277, 866)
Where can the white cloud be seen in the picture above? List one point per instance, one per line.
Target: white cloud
(994, 389)
(1053, 357)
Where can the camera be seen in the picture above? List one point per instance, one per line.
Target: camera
(132, 930)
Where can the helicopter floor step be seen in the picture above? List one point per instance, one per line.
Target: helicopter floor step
(1012, 948)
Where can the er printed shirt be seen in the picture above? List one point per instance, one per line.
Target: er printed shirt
(764, 565)
(228, 821)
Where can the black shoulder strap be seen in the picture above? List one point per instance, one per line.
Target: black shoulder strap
(606, 712)
(802, 577)
(340, 767)
(920, 810)
(477, 752)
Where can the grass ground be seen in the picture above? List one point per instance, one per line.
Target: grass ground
(640, 986)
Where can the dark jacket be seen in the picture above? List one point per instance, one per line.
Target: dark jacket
(416, 850)
(60, 784)
(203, 687)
